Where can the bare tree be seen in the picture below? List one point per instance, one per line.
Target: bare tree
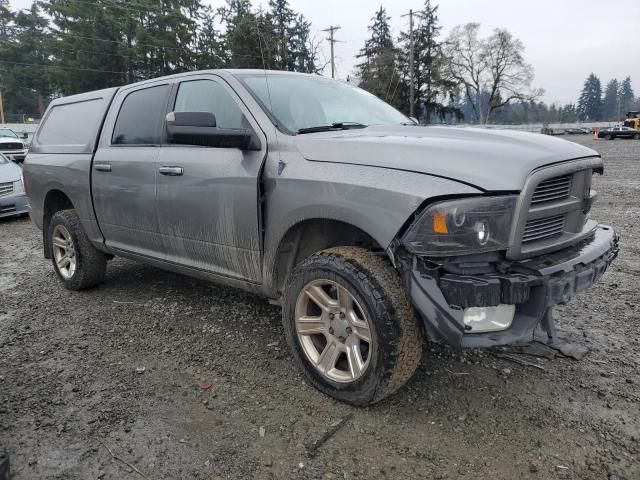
(491, 71)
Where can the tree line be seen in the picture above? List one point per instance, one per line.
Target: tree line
(63, 47)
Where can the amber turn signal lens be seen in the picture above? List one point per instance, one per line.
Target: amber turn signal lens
(440, 222)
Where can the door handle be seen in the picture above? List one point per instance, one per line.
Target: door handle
(102, 167)
(171, 171)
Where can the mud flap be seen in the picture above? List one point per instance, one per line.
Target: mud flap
(5, 473)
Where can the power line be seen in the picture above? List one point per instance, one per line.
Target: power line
(39, 65)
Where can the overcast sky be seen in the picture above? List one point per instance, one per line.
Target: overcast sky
(565, 39)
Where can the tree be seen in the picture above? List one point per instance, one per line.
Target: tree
(24, 61)
(378, 73)
(611, 101)
(627, 96)
(210, 44)
(590, 101)
(431, 85)
(495, 64)
(568, 113)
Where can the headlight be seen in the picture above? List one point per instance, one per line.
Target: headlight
(18, 187)
(460, 227)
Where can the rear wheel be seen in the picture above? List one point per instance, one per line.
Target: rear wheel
(79, 264)
(636, 136)
(350, 325)
(609, 137)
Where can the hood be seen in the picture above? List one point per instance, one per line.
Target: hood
(11, 140)
(492, 160)
(10, 172)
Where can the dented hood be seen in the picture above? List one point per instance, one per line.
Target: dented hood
(493, 160)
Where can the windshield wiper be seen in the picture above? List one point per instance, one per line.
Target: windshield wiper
(333, 126)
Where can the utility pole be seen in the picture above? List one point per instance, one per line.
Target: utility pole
(1, 107)
(332, 29)
(412, 72)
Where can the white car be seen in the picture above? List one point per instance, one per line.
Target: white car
(12, 146)
(13, 199)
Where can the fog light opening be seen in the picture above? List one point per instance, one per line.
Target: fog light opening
(488, 319)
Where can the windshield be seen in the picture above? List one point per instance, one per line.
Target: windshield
(299, 102)
(5, 132)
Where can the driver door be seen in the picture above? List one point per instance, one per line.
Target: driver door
(207, 197)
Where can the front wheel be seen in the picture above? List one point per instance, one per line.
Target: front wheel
(609, 137)
(636, 136)
(350, 326)
(79, 264)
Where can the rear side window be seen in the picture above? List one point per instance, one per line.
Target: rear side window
(139, 118)
(71, 125)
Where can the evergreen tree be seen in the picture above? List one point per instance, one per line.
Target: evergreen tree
(282, 19)
(627, 96)
(432, 88)
(24, 60)
(210, 44)
(590, 101)
(377, 72)
(610, 103)
(568, 113)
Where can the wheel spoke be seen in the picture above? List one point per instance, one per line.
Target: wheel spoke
(311, 325)
(60, 242)
(320, 297)
(64, 261)
(360, 328)
(345, 300)
(329, 356)
(356, 363)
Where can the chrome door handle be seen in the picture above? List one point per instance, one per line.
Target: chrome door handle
(171, 171)
(102, 167)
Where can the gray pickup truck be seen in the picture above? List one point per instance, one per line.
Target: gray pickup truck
(372, 232)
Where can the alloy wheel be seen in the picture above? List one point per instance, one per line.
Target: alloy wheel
(333, 331)
(64, 253)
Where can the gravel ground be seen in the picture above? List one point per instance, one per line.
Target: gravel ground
(75, 402)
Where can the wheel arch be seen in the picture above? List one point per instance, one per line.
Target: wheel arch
(310, 236)
(54, 201)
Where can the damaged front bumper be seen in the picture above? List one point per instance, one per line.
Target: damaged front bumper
(533, 286)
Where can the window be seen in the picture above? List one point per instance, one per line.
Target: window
(5, 132)
(303, 101)
(139, 118)
(210, 96)
(73, 124)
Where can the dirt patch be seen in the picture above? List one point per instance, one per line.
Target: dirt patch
(71, 372)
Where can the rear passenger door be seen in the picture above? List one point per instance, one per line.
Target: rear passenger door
(124, 170)
(208, 215)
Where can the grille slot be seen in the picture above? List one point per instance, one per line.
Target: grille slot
(6, 189)
(543, 229)
(552, 190)
(11, 146)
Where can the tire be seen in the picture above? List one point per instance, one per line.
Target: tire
(610, 137)
(378, 299)
(636, 136)
(89, 264)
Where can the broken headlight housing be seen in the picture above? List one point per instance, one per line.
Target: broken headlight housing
(462, 227)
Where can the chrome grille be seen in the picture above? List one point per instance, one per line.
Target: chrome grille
(6, 189)
(552, 190)
(11, 146)
(543, 229)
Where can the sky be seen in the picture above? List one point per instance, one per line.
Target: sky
(565, 40)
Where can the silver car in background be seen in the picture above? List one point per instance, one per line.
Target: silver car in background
(13, 199)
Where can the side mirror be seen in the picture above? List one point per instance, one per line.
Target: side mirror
(200, 128)
(24, 136)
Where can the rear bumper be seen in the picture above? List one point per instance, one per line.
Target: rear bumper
(533, 285)
(12, 205)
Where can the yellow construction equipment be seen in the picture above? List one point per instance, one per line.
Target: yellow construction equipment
(633, 120)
